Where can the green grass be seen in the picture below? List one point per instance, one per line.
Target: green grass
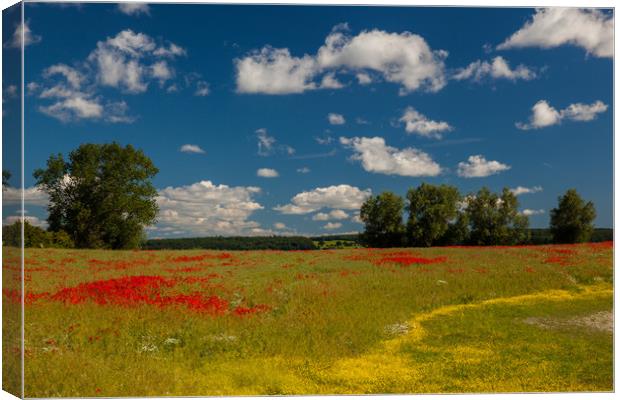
(330, 327)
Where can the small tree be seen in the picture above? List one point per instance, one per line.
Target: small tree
(383, 219)
(572, 220)
(495, 220)
(102, 196)
(431, 209)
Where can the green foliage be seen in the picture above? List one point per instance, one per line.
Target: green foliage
(572, 220)
(34, 236)
(102, 196)
(233, 243)
(431, 208)
(495, 220)
(383, 219)
(6, 176)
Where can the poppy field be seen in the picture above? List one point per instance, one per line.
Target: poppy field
(436, 320)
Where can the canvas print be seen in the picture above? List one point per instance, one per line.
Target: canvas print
(224, 200)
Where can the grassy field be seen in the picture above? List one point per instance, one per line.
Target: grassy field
(495, 319)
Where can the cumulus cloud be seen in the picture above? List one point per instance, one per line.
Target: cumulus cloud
(589, 29)
(519, 190)
(544, 115)
(191, 148)
(134, 8)
(329, 81)
(377, 157)
(332, 225)
(275, 71)
(128, 61)
(303, 170)
(204, 208)
(498, 68)
(478, 167)
(338, 197)
(32, 196)
(419, 124)
(29, 37)
(267, 173)
(335, 119)
(528, 212)
(333, 214)
(402, 58)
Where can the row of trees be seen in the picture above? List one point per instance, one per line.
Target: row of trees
(102, 197)
(439, 215)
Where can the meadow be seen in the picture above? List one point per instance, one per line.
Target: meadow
(436, 320)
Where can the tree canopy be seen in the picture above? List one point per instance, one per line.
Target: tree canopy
(572, 220)
(102, 196)
(495, 219)
(383, 219)
(431, 209)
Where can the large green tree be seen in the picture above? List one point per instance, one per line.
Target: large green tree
(102, 196)
(383, 219)
(495, 219)
(431, 211)
(572, 220)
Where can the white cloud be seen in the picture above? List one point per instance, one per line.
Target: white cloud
(74, 108)
(498, 68)
(590, 29)
(73, 76)
(402, 58)
(161, 71)
(29, 37)
(419, 124)
(207, 209)
(478, 167)
(275, 71)
(377, 157)
(32, 196)
(324, 140)
(279, 225)
(128, 61)
(544, 115)
(191, 148)
(330, 82)
(265, 142)
(202, 89)
(340, 197)
(267, 145)
(332, 225)
(335, 119)
(527, 212)
(78, 106)
(134, 8)
(363, 78)
(519, 190)
(333, 214)
(303, 170)
(173, 50)
(320, 217)
(267, 173)
(584, 112)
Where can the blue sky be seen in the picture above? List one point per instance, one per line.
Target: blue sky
(295, 114)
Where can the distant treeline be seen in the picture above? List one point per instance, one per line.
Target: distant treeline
(233, 243)
(544, 236)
